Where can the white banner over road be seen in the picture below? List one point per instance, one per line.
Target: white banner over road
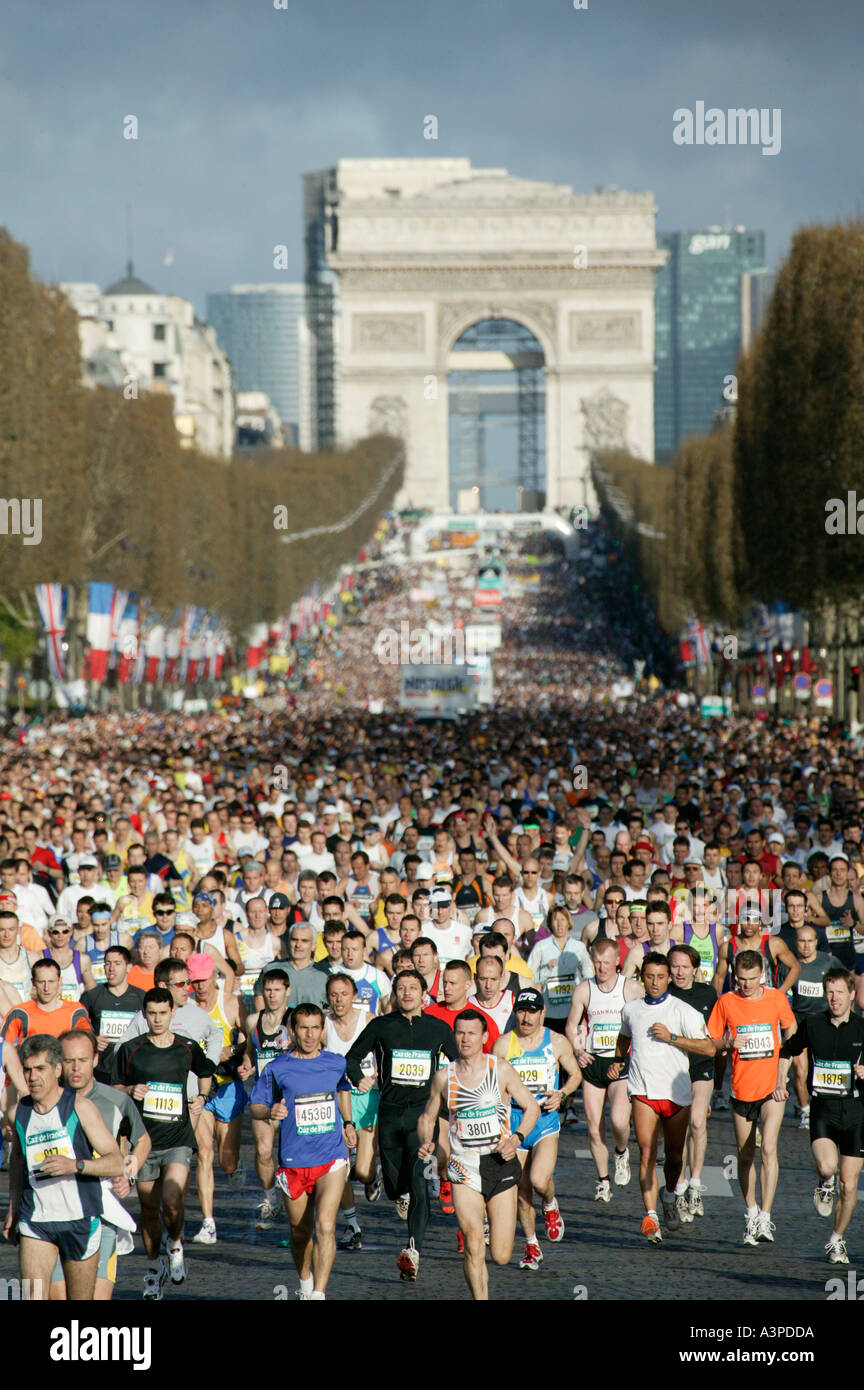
(434, 690)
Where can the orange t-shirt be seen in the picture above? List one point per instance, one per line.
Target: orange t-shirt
(25, 1020)
(755, 1027)
(139, 977)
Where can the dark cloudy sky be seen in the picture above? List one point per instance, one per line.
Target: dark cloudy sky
(236, 99)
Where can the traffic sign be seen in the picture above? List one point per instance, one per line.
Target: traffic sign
(802, 686)
(760, 693)
(824, 692)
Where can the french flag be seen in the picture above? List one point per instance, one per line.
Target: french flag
(155, 646)
(257, 639)
(127, 639)
(119, 604)
(49, 598)
(172, 653)
(99, 611)
(699, 639)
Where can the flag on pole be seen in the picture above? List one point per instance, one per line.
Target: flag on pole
(101, 598)
(699, 638)
(49, 598)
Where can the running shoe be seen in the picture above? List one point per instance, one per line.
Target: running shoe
(402, 1205)
(766, 1227)
(622, 1169)
(303, 1296)
(177, 1264)
(265, 1215)
(670, 1213)
(533, 1257)
(751, 1231)
(373, 1189)
(823, 1196)
(207, 1234)
(603, 1191)
(719, 1101)
(487, 1234)
(554, 1223)
(460, 1242)
(237, 1179)
(408, 1262)
(651, 1228)
(446, 1196)
(154, 1282)
(682, 1206)
(694, 1200)
(836, 1251)
(804, 1118)
(350, 1239)
(758, 1137)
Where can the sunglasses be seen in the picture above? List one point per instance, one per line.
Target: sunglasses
(59, 931)
(165, 911)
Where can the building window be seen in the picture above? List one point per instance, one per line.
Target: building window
(110, 325)
(159, 332)
(160, 369)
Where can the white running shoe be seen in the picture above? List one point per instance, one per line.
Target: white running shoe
(603, 1191)
(694, 1200)
(177, 1264)
(682, 1204)
(207, 1234)
(154, 1282)
(408, 1263)
(823, 1196)
(265, 1215)
(622, 1169)
(836, 1251)
(804, 1118)
(402, 1204)
(751, 1231)
(670, 1213)
(766, 1227)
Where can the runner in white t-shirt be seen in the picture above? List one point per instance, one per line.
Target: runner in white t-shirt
(660, 1033)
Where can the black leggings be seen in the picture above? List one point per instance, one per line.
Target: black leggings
(401, 1169)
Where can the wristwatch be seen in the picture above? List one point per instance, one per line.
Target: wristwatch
(79, 1165)
(519, 1135)
(673, 1037)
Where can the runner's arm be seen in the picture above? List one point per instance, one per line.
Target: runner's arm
(780, 952)
(632, 964)
(818, 916)
(426, 1122)
(722, 967)
(16, 1183)
(513, 1088)
(578, 1003)
(566, 1059)
(109, 1164)
(357, 1051)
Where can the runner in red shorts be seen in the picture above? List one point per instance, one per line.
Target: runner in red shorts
(660, 1032)
(314, 1107)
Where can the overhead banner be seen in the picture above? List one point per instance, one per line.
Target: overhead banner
(437, 689)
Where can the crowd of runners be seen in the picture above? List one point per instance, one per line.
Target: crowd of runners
(409, 951)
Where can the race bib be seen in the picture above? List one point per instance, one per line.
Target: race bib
(113, 1024)
(832, 1078)
(835, 931)
(560, 988)
(479, 1126)
(264, 1056)
(604, 1035)
(315, 1114)
(98, 967)
(810, 989)
(754, 1040)
(533, 1073)
(248, 981)
(51, 1143)
(410, 1068)
(368, 1067)
(70, 993)
(163, 1101)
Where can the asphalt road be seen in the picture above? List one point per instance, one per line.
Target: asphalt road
(602, 1255)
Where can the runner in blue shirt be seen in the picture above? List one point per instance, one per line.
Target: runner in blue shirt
(308, 1091)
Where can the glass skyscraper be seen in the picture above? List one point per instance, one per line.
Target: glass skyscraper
(263, 330)
(698, 333)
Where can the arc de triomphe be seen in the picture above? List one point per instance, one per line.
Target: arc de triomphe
(424, 248)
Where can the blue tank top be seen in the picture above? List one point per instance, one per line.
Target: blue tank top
(536, 1068)
(54, 1199)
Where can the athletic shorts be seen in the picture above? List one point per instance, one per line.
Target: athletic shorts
(664, 1108)
(488, 1174)
(557, 1024)
(549, 1123)
(228, 1101)
(364, 1108)
(843, 1125)
(107, 1266)
(749, 1109)
(75, 1240)
(158, 1160)
(294, 1182)
(597, 1072)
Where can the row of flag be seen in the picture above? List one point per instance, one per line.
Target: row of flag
(126, 635)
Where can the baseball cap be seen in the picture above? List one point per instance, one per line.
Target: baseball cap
(529, 999)
(201, 966)
(440, 897)
(844, 857)
(87, 861)
(775, 838)
(112, 861)
(750, 914)
(425, 873)
(644, 844)
(279, 900)
(330, 811)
